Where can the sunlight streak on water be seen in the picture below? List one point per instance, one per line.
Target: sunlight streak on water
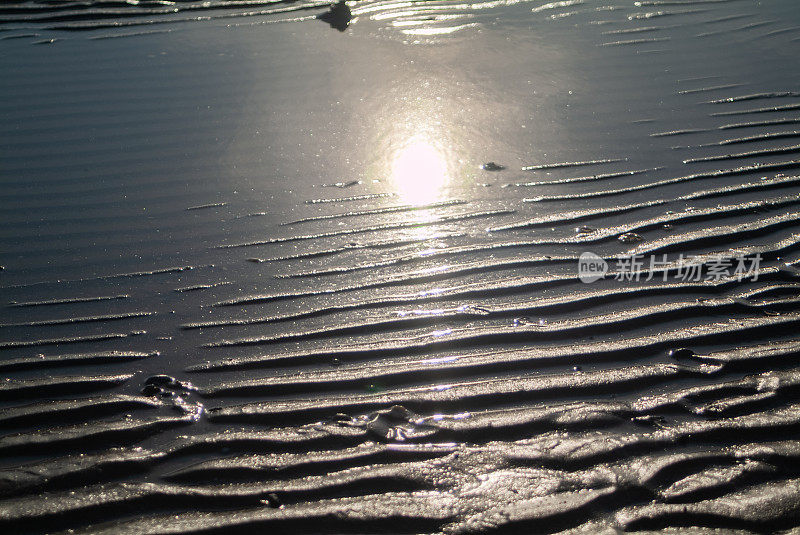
(438, 31)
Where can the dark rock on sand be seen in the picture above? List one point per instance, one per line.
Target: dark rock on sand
(491, 166)
(338, 17)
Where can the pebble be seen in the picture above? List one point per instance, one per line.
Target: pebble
(682, 353)
(630, 237)
(491, 166)
(273, 501)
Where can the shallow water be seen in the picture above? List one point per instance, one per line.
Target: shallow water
(354, 256)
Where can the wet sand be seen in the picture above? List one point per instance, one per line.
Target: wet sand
(271, 266)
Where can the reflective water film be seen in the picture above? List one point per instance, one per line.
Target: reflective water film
(399, 266)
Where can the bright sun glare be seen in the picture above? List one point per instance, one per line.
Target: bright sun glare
(419, 172)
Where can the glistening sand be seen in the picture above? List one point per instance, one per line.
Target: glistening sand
(367, 331)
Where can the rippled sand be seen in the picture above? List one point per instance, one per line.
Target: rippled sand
(313, 268)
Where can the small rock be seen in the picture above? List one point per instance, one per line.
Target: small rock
(273, 501)
(151, 390)
(338, 17)
(682, 353)
(630, 237)
(394, 424)
(400, 412)
(160, 380)
(491, 166)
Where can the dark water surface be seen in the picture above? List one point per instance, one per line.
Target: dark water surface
(260, 274)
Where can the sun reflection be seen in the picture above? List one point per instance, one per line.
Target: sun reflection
(419, 172)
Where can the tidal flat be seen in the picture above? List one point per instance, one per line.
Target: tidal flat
(420, 266)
